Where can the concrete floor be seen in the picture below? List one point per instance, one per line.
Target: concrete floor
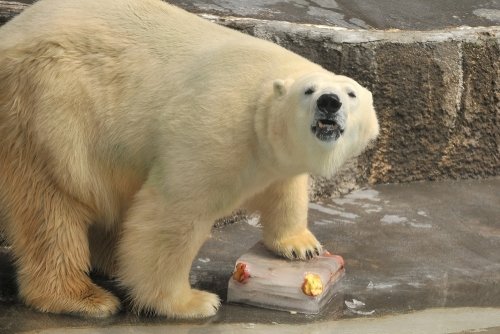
(423, 258)
(364, 14)
(372, 14)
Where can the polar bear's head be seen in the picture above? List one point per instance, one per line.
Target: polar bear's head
(326, 120)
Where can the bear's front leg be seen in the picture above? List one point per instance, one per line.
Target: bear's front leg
(283, 214)
(158, 245)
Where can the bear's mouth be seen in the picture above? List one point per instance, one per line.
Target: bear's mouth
(327, 129)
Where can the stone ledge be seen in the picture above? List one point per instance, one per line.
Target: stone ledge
(437, 95)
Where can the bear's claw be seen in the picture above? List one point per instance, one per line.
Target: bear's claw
(301, 246)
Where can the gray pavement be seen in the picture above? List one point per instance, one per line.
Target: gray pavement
(372, 14)
(422, 257)
(364, 14)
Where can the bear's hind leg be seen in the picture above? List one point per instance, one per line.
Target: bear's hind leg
(48, 232)
(155, 253)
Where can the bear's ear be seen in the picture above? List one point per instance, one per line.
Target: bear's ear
(279, 87)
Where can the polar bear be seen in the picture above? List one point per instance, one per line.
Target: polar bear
(128, 126)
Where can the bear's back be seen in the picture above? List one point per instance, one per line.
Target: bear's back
(139, 21)
(159, 29)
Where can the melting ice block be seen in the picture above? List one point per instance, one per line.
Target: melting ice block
(263, 279)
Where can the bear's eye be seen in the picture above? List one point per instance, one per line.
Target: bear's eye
(309, 91)
(351, 94)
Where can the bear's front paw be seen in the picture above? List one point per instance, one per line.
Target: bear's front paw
(303, 245)
(191, 305)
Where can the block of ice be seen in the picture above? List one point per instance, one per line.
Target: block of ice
(263, 279)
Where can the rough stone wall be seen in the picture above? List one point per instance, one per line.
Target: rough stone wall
(436, 95)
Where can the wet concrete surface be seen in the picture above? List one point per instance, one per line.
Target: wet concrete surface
(372, 14)
(413, 252)
(364, 14)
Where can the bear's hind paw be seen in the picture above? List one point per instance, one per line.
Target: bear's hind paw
(92, 302)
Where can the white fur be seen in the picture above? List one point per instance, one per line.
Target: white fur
(159, 122)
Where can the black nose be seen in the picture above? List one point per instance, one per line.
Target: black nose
(329, 103)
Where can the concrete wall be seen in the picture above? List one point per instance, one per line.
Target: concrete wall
(436, 93)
